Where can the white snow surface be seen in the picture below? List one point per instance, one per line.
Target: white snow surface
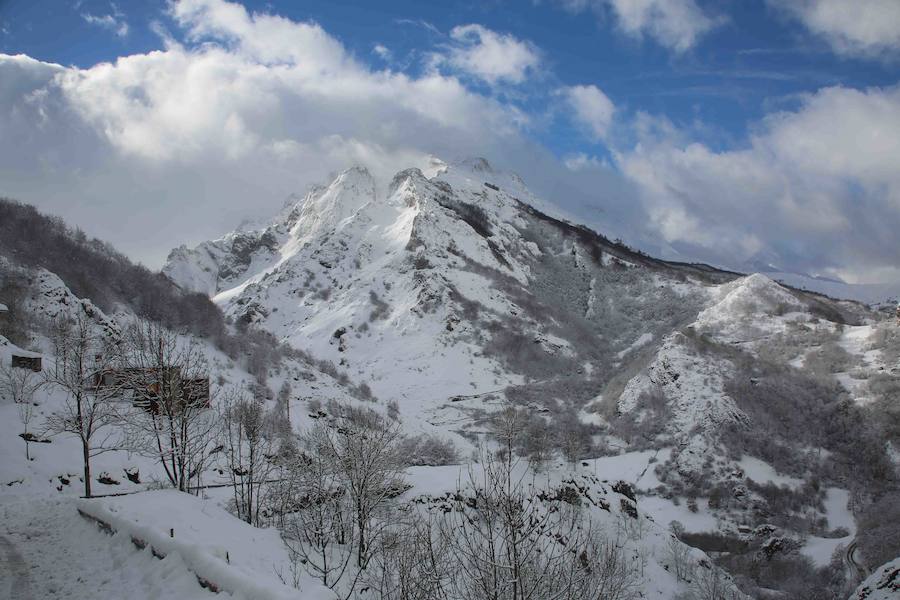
(837, 511)
(48, 551)
(238, 558)
(883, 584)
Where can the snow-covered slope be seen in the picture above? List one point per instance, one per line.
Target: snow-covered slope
(883, 584)
(197, 537)
(443, 287)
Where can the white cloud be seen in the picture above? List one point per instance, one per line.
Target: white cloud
(114, 21)
(581, 161)
(491, 56)
(383, 52)
(865, 28)
(257, 82)
(673, 24)
(592, 108)
(818, 188)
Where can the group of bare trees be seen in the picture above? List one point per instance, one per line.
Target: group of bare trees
(170, 424)
(121, 390)
(496, 537)
(346, 471)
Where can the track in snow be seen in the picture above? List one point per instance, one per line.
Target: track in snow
(14, 571)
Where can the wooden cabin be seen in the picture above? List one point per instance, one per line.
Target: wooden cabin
(29, 361)
(144, 387)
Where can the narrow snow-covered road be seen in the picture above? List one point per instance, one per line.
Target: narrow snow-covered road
(48, 551)
(16, 581)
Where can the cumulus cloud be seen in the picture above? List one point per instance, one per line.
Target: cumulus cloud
(673, 24)
(867, 28)
(490, 56)
(592, 108)
(817, 188)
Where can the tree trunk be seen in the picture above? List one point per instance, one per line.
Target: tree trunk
(87, 469)
(361, 523)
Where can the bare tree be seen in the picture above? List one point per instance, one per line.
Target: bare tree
(171, 420)
(508, 545)
(82, 351)
(680, 560)
(362, 446)
(249, 451)
(320, 531)
(411, 562)
(19, 386)
(608, 572)
(711, 583)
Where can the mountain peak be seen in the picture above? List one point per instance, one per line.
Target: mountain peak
(477, 164)
(403, 176)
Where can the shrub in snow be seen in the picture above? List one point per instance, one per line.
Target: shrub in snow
(428, 449)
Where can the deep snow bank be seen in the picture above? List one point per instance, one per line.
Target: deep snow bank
(219, 548)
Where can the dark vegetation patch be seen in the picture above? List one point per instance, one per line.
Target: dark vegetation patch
(93, 269)
(471, 214)
(597, 244)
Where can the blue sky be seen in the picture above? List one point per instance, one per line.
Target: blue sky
(681, 125)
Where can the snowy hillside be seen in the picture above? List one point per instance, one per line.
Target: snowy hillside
(674, 419)
(439, 288)
(454, 296)
(196, 540)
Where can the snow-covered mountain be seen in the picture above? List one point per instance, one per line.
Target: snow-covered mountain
(458, 293)
(753, 421)
(441, 287)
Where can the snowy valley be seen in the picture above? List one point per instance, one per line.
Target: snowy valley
(436, 387)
